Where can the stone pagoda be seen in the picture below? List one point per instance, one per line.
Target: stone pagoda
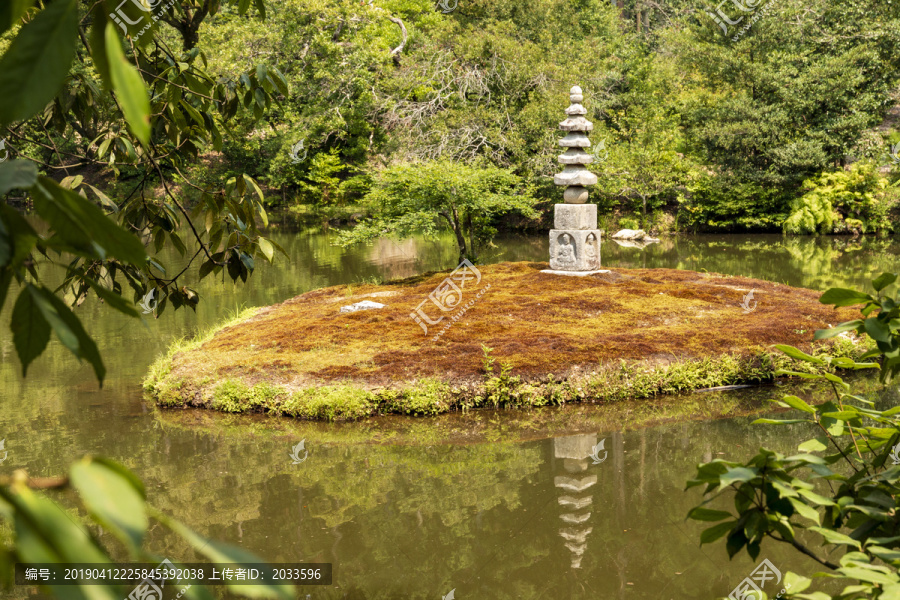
(575, 239)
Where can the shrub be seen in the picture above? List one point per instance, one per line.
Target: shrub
(849, 200)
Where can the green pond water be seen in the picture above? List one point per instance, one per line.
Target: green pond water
(492, 504)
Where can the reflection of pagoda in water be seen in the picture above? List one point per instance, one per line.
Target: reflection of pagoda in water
(573, 482)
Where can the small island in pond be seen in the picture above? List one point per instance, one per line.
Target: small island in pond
(502, 335)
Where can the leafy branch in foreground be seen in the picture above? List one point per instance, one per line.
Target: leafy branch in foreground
(881, 321)
(839, 487)
(115, 501)
(78, 95)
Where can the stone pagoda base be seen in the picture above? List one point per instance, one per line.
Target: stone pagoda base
(574, 249)
(575, 273)
(575, 239)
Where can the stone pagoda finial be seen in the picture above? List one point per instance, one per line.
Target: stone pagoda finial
(575, 239)
(575, 176)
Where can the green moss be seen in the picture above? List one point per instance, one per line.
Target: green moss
(162, 366)
(429, 397)
(329, 403)
(169, 392)
(636, 334)
(234, 397)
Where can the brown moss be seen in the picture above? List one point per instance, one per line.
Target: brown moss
(542, 324)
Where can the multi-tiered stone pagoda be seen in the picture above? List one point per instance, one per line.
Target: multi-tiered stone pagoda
(575, 239)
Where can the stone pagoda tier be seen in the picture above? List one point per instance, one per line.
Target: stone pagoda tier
(575, 239)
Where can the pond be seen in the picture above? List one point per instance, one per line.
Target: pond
(491, 504)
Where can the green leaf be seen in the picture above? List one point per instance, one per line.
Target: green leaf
(266, 248)
(835, 379)
(782, 372)
(884, 554)
(877, 330)
(5, 280)
(81, 223)
(129, 87)
(46, 533)
(17, 174)
(843, 415)
(734, 542)
(707, 514)
(11, 11)
(835, 537)
(784, 491)
(224, 554)
(795, 353)
(207, 268)
(33, 69)
(883, 540)
(20, 232)
(6, 246)
(104, 199)
(68, 328)
(869, 575)
(883, 280)
(247, 260)
(713, 533)
(814, 445)
(30, 329)
(807, 458)
(113, 299)
(736, 475)
(261, 7)
(805, 510)
(779, 422)
(798, 583)
(97, 43)
(795, 402)
(177, 243)
(844, 297)
(889, 592)
(112, 499)
(278, 81)
(816, 498)
(876, 514)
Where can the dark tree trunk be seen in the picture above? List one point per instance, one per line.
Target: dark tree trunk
(471, 237)
(456, 226)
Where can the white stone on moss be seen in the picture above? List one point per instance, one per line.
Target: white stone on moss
(364, 305)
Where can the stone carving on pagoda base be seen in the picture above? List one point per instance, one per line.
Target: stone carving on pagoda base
(575, 250)
(575, 239)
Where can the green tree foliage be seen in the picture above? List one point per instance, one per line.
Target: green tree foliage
(687, 114)
(854, 199)
(434, 196)
(791, 97)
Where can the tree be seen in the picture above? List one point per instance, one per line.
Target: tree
(791, 97)
(434, 196)
(646, 166)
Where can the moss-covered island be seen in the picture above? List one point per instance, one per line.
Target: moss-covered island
(516, 338)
